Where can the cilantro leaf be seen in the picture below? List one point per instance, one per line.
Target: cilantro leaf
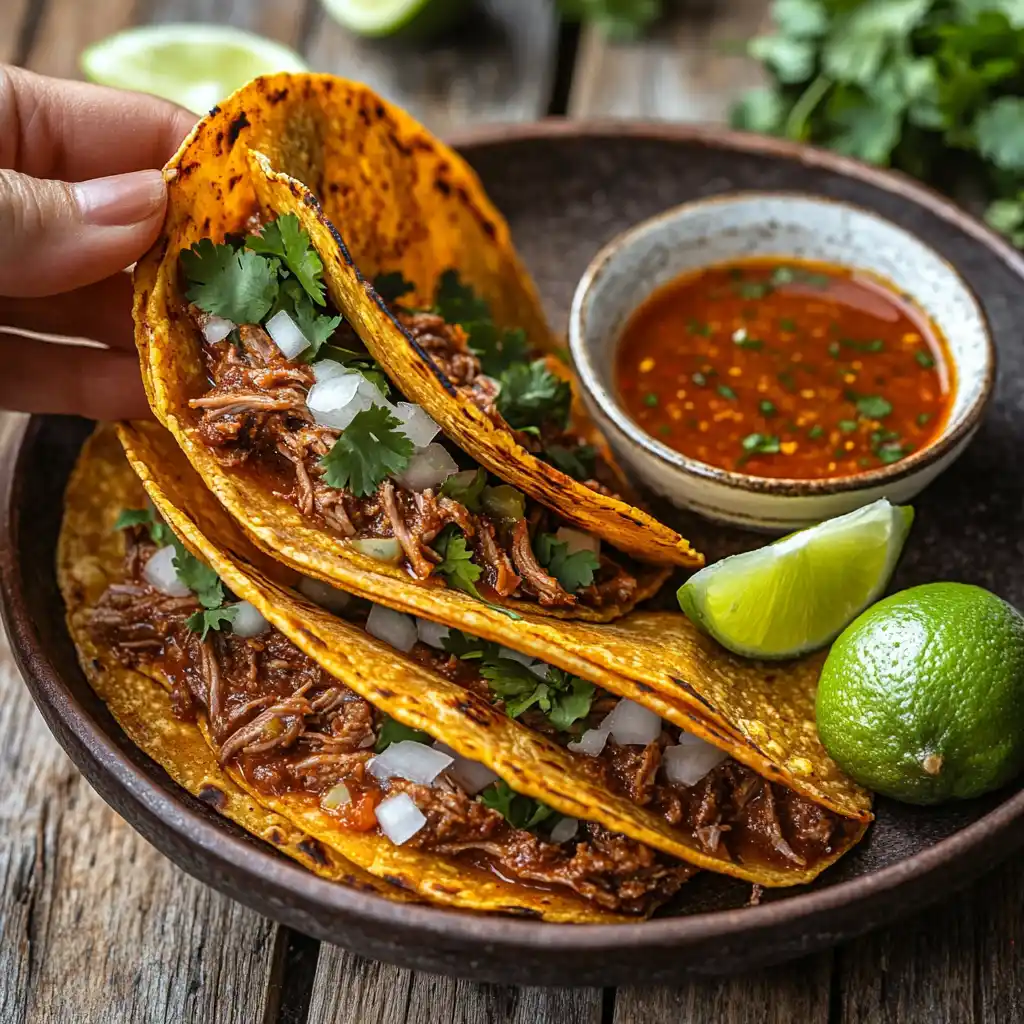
(392, 286)
(371, 449)
(198, 577)
(1000, 129)
(457, 565)
(393, 731)
(286, 239)
(458, 303)
(531, 395)
(521, 812)
(466, 487)
(317, 327)
(579, 462)
(874, 407)
(573, 571)
(240, 286)
(467, 647)
(211, 618)
(572, 699)
(159, 532)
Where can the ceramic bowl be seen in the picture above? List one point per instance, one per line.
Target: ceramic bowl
(784, 225)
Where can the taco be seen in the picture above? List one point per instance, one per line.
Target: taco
(290, 419)
(546, 748)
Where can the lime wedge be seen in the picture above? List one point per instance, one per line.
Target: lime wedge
(191, 64)
(801, 592)
(393, 17)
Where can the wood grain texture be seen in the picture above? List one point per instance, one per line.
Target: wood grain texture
(794, 994)
(351, 990)
(498, 67)
(95, 925)
(684, 72)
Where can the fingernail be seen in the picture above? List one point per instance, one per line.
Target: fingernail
(121, 199)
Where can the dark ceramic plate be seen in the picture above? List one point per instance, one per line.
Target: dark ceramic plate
(567, 190)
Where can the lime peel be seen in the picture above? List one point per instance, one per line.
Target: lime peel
(798, 594)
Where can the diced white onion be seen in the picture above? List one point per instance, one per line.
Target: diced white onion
(416, 424)
(565, 830)
(538, 668)
(248, 620)
(408, 759)
(590, 743)
(286, 334)
(324, 594)
(325, 369)
(335, 400)
(337, 796)
(217, 329)
(433, 634)
(690, 760)
(577, 541)
(399, 818)
(160, 573)
(472, 776)
(429, 467)
(384, 549)
(393, 628)
(630, 722)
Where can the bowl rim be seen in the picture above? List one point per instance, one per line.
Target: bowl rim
(954, 431)
(928, 874)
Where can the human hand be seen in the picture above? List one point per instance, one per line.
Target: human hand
(81, 198)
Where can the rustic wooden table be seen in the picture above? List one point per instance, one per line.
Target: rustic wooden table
(96, 926)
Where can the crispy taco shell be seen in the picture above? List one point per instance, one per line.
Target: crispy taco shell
(423, 699)
(89, 559)
(376, 170)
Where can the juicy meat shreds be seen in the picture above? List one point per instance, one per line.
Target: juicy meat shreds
(500, 574)
(445, 343)
(546, 588)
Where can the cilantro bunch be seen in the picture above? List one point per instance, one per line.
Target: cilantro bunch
(248, 281)
(934, 88)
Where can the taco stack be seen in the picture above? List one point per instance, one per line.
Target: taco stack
(387, 576)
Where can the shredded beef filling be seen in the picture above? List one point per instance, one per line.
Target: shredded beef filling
(255, 415)
(290, 727)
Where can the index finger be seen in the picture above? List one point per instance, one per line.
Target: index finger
(51, 128)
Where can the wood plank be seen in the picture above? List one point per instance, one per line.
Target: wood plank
(351, 990)
(94, 923)
(683, 72)
(957, 962)
(68, 26)
(499, 67)
(793, 993)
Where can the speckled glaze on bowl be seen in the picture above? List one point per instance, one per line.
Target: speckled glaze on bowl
(752, 224)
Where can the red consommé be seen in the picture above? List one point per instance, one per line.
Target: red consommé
(785, 368)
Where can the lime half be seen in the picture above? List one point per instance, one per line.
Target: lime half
(191, 64)
(799, 593)
(394, 17)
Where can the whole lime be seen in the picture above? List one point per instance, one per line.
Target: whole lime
(922, 696)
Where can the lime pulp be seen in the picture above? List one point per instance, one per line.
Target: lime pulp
(798, 594)
(396, 17)
(192, 64)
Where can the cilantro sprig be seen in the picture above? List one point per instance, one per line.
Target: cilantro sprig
(371, 448)
(931, 87)
(159, 532)
(522, 812)
(573, 571)
(532, 395)
(457, 565)
(393, 731)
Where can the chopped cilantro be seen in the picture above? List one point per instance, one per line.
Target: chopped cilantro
(573, 571)
(563, 698)
(815, 432)
(521, 812)
(726, 392)
(466, 488)
(651, 400)
(458, 303)
(392, 286)
(923, 418)
(392, 731)
(924, 359)
(752, 289)
(531, 395)
(238, 285)
(316, 327)
(579, 462)
(751, 344)
(767, 408)
(457, 565)
(872, 345)
(211, 618)
(467, 647)
(286, 239)
(371, 449)
(700, 379)
(873, 407)
(847, 426)
(788, 380)
(697, 327)
(159, 532)
(760, 444)
(198, 577)
(787, 324)
(833, 349)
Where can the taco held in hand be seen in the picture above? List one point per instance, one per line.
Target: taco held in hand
(275, 385)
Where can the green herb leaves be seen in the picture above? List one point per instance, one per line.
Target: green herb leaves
(531, 395)
(519, 811)
(573, 571)
(235, 284)
(760, 444)
(371, 449)
(159, 532)
(286, 239)
(873, 407)
(392, 731)
(457, 565)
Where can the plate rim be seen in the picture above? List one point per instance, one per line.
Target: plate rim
(992, 837)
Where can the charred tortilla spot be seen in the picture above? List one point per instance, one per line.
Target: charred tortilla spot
(489, 229)
(274, 836)
(236, 126)
(523, 912)
(334, 188)
(450, 890)
(213, 796)
(279, 95)
(696, 696)
(442, 186)
(644, 687)
(475, 712)
(97, 665)
(233, 181)
(399, 882)
(313, 849)
(380, 111)
(383, 691)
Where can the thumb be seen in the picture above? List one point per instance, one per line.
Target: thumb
(56, 236)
